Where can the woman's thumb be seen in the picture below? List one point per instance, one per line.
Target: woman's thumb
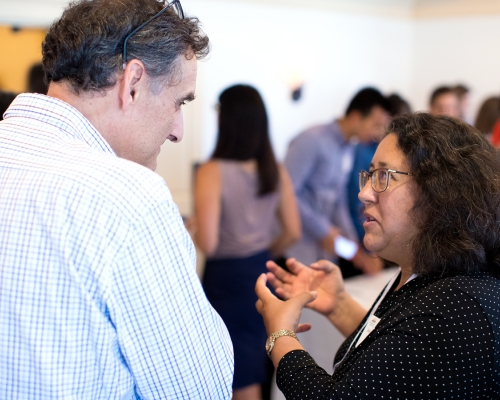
(304, 298)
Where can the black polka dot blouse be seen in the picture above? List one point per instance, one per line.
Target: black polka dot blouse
(437, 339)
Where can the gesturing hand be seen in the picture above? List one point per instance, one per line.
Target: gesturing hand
(278, 314)
(323, 277)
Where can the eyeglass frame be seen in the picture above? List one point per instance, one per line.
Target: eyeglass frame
(370, 176)
(180, 13)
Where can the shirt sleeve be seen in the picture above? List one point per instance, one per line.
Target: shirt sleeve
(174, 343)
(421, 356)
(300, 163)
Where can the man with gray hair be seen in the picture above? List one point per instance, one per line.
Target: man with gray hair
(99, 297)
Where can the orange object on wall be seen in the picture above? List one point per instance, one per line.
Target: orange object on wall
(19, 50)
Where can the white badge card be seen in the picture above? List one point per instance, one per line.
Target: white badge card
(369, 327)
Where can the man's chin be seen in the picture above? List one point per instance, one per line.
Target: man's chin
(150, 164)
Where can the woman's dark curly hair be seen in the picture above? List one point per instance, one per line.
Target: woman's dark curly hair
(84, 47)
(457, 207)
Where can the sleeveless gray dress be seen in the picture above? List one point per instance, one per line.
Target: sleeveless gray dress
(246, 231)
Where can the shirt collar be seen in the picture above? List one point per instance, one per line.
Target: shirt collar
(55, 112)
(337, 133)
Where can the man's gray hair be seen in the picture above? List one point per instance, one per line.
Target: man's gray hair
(84, 47)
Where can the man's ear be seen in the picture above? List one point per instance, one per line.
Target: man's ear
(132, 83)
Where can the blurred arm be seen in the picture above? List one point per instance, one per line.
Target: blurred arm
(288, 216)
(207, 198)
(300, 163)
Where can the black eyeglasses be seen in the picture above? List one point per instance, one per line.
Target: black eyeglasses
(380, 178)
(178, 9)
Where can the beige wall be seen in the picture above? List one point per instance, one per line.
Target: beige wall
(18, 52)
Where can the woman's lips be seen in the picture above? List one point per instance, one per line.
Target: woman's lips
(370, 220)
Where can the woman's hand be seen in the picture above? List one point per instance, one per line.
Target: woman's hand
(323, 277)
(279, 314)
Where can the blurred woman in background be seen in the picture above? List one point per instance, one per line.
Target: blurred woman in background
(488, 115)
(239, 195)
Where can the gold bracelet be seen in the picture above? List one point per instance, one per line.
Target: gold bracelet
(283, 332)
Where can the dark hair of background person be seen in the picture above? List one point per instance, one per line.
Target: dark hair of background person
(440, 91)
(457, 205)
(36, 79)
(365, 100)
(397, 105)
(461, 90)
(84, 47)
(5, 99)
(244, 134)
(488, 115)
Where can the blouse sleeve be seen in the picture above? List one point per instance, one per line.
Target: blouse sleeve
(420, 353)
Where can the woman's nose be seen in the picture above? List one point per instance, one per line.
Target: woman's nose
(367, 194)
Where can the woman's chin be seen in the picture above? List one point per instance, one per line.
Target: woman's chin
(371, 245)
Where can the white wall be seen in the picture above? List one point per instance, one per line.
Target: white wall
(264, 45)
(457, 49)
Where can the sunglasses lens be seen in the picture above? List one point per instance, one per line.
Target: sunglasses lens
(178, 9)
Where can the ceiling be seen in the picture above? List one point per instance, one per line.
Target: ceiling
(43, 12)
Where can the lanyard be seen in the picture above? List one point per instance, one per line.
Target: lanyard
(372, 320)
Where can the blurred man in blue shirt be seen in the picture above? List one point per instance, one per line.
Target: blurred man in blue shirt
(320, 161)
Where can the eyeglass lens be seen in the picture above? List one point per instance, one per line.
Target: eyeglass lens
(363, 178)
(379, 179)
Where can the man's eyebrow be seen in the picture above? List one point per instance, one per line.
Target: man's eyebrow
(187, 98)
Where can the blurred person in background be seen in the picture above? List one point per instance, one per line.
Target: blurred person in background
(36, 79)
(320, 161)
(6, 98)
(495, 135)
(239, 194)
(363, 155)
(444, 101)
(397, 105)
(488, 115)
(463, 94)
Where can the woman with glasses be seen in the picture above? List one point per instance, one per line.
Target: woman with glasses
(432, 207)
(239, 195)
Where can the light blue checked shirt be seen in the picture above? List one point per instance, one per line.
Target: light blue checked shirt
(99, 298)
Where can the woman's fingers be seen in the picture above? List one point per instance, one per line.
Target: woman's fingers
(278, 272)
(303, 299)
(258, 306)
(303, 328)
(273, 281)
(294, 266)
(323, 265)
(261, 289)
